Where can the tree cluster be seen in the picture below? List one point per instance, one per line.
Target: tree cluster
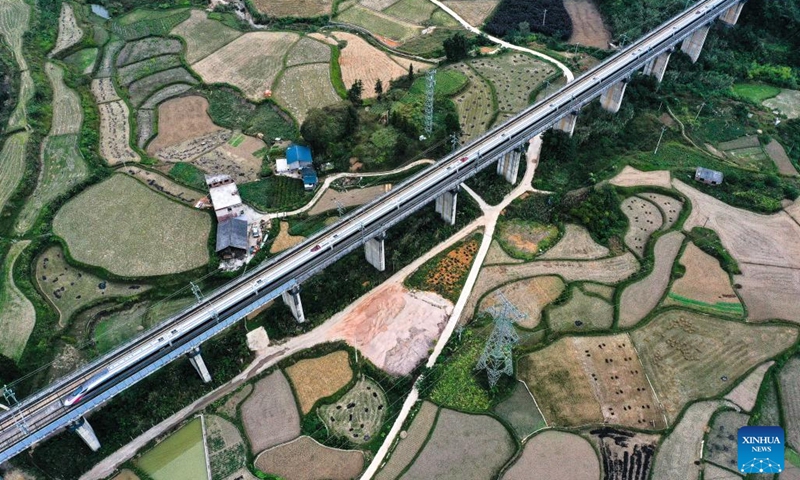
(542, 16)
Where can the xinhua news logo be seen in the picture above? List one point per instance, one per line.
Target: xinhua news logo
(761, 450)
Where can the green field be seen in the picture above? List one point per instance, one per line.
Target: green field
(275, 194)
(116, 327)
(144, 23)
(448, 82)
(229, 110)
(412, 11)
(82, 60)
(378, 24)
(131, 231)
(236, 140)
(12, 164)
(203, 36)
(755, 92)
(188, 174)
(475, 103)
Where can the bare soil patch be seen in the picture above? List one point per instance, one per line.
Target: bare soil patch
(359, 414)
(182, 119)
(521, 412)
(576, 244)
(530, 296)
(69, 33)
(451, 454)
(525, 239)
(115, 137)
(587, 24)
(269, 414)
(316, 378)
(778, 155)
(496, 255)
(554, 455)
(194, 148)
(474, 12)
(670, 207)
(639, 298)
(361, 61)
(721, 445)
(446, 273)
(705, 285)
(332, 199)
(294, 8)
(305, 459)
(581, 313)
(631, 177)
(393, 327)
(17, 315)
(162, 184)
(407, 447)
(284, 240)
(240, 164)
(789, 381)
(746, 392)
(689, 356)
(626, 455)
(644, 218)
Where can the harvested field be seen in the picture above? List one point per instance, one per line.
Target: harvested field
(521, 412)
(530, 296)
(609, 271)
(394, 328)
(14, 21)
(576, 244)
(236, 63)
(115, 133)
(581, 313)
(787, 102)
(12, 164)
(192, 149)
(716, 473)
(284, 240)
(331, 199)
(103, 90)
(118, 225)
(140, 90)
(789, 382)
(139, 50)
(474, 12)
(769, 292)
(294, 8)
(600, 290)
(475, 107)
(639, 298)
(417, 12)
(308, 50)
(705, 285)
(451, 454)
(316, 378)
(145, 124)
(378, 23)
(554, 455)
(446, 273)
(644, 219)
(778, 155)
(670, 207)
(631, 177)
(106, 67)
(408, 446)
(305, 459)
(679, 453)
(162, 184)
(182, 119)
(269, 414)
(17, 315)
(69, 33)
(497, 256)
(525, 240)
(304, 87)
(359, 414)
(514, 76)
(721, 446)
(136, 71)
(19, 117)
(361, 61)
(67, 112)
(625, 455)
(165, 94)
(203, 36)
(229, 408)
(745, 394)
(689, 356)
(226, 449)
(587, 24)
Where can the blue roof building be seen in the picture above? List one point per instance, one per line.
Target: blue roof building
(309, 178)
(299, 155)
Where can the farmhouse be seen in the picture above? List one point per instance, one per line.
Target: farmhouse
(708, 176)
(298, 162)
(224, 197)
(232, 237)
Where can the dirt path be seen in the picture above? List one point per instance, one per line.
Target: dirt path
(587, 24)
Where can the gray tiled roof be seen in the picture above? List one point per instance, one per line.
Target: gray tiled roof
(232, 233)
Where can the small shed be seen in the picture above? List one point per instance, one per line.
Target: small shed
(281, 165)
(310, 179)
(708, 176)
(232, 237)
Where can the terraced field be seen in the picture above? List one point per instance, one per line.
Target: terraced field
(203, 36)
(14, 21)
(67, 112)
(139, 50)
(304, 87)
(379, 23)
(514, 76)
(475, 104)
(69, 33)
(115, 133)
(308, 50)
(141, 69)
(140, 90)
(12, 164)
(17, 316)
(294, 8)
(144, 23)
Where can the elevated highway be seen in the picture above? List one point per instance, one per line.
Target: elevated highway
(44, 413)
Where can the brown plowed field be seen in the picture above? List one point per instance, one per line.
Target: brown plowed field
(315, 378)
(555, 455)
(587, 24)
(269, 415)
(305, 459)
(361, 61)
(181, 119)
(704, 281)
(530, 296)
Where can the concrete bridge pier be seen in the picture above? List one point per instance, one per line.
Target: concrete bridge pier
(567, 124)
(86, 432)
(693, 44)
(446, 205)
(508, 166)
(658, 66)
(731, 15)
(375, 251)
(291, 298)
(197, 362)
(611, 99)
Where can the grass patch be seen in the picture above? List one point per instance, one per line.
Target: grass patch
(455, 381)
(146, 23)
(755, 92)
(230, 110)
(236, 140)
(447, 272)
(189, 175)
(82, 60)
(366, 18)
(525, 240)
(275, 193)
(448, 82)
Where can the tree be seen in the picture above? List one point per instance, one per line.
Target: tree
(379, 88)
(354, 94)
(324, 127)
(456, 47)
(411, 72)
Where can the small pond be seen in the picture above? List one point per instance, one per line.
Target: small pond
(100, 11)
(182, 456)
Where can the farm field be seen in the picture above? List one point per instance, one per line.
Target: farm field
(83, 60)
(785, 102)
(450, 452)
(236, 64)
(69, 33)
(639, 298)
(496, 255)
(575, 244)
(523, 239)
(151, 47)
(317, 378)
(142, 89)
(145, 23)
(669, 206)
(361, 61)
(117, 225)
(304, 87)
(705, 285)
(308, 50)
(446, 273)
(143, 68)
(474, 12)
(475, 104)
(378, 23)
(226, 449)
(115, 133)
(406, 448)
(555, 455)
(274, 194)
(631, 177)
(305, 459)
(587, 24)
(284, 240)
(17, 315)
(294, 8)
(530, 296)
(182, 119)
(145, 124)
(689, 356)
(778, 155)
(644, 218)
(238, 162)
(416, 12)
(69, 288)
(359, 414)
(269, 414)
(625, 455)
(789, 381)
(14, 21)
(769, 292)
(603, 291)
(721, 446)
(581, 313)
(164, 94)
(19, 117)
(112, 328)
(103, 90)
(106, 67)
(521, 412)
(203, 36)
(12, 164)
(514, 76)
(745, 394)
(755, 92)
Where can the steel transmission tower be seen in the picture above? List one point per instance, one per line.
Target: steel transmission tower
(429, 95)
(497, 357)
